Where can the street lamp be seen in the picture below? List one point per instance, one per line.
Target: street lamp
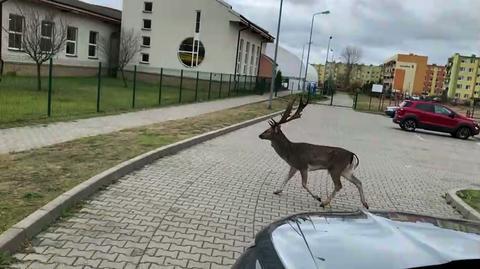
(326, 12)
(326, 63)
(274, 66)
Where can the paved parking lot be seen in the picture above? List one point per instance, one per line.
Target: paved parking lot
(201, 207)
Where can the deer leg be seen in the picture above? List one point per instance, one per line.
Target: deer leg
(350, 177)
(338, 186)
(304, 174)
(291, 173)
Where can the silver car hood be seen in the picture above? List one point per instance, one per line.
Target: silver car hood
(370, 241)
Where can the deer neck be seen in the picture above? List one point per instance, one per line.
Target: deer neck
(281, 145)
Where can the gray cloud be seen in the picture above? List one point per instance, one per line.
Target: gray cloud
(437, 28)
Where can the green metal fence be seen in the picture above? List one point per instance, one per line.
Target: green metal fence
(63, 97)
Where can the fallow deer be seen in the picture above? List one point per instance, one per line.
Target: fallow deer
(305, 157)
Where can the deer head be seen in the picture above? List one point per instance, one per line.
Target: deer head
(274, 129)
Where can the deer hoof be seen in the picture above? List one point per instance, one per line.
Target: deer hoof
(277, 192)
(323, 204)
(365, 205)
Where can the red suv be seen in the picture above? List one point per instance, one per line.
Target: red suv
(434, 117)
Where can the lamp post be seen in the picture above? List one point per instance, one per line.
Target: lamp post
(274, 67)
(326, 63)
(301, 67)
(310, 43)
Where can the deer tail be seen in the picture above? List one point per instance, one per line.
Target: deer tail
(356, 159)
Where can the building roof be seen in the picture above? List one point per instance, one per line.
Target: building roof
(106, 13)
(248, 23)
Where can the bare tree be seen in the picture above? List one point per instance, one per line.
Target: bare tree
(129, 47)
(351, 56)
(44, 35)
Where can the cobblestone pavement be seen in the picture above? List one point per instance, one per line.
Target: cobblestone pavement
(29, 137)
(201, 208)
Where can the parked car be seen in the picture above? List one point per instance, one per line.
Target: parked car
(435, 117)
(364, 240)
(390, 111)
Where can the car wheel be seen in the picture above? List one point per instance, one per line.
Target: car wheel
(463, 133)
(409, 125)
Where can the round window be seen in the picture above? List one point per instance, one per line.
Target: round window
(191, 52)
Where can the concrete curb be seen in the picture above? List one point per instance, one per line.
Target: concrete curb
(467, 211)
(14, 238)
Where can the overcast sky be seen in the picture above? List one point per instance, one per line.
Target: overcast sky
(381, 28)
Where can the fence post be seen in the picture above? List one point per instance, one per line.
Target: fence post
(220, 90)
(196, 87)
(134, 85)
(99, 83)
(245, 83)
(229, 84)
(181, 86)
(49, 103)
(370, 101)
(210, 86)
(160, 87)
(331, 97)
(356, 101)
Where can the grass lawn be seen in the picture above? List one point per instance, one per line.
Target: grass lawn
(471, 197)
(30, 179)
(21, 103)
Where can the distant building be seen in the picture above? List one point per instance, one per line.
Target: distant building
(405, 73)
(463, 77)
(361, 73)
(201, 35)
(434, 80)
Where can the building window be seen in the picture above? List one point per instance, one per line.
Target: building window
(146, 41)
(147, 24)
(465, 96)
(92, 44)
(240, 56)
(467, 87)
(147, 7)
(469, 78)
(462, 68)
(470, 69)
(245, 63)
(197, 21)
(191, 52)
(46, 34)
(71, 42)
(459, 86)
(145, 58)
(15, 32)
(460, 78)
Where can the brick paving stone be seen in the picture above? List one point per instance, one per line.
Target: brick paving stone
(29, 137)
(202, 207)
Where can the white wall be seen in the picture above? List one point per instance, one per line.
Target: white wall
(84, 23)
(174, 20)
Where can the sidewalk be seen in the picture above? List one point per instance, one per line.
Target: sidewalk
(30, 137)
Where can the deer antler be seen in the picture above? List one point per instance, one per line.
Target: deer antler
(300, 108)
(287, 112)
(286, 116)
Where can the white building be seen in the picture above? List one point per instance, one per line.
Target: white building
(86, 24)
(291, 66)
(200, 35)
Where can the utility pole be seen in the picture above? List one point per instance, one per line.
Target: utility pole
(274, 66)
(301, 67)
